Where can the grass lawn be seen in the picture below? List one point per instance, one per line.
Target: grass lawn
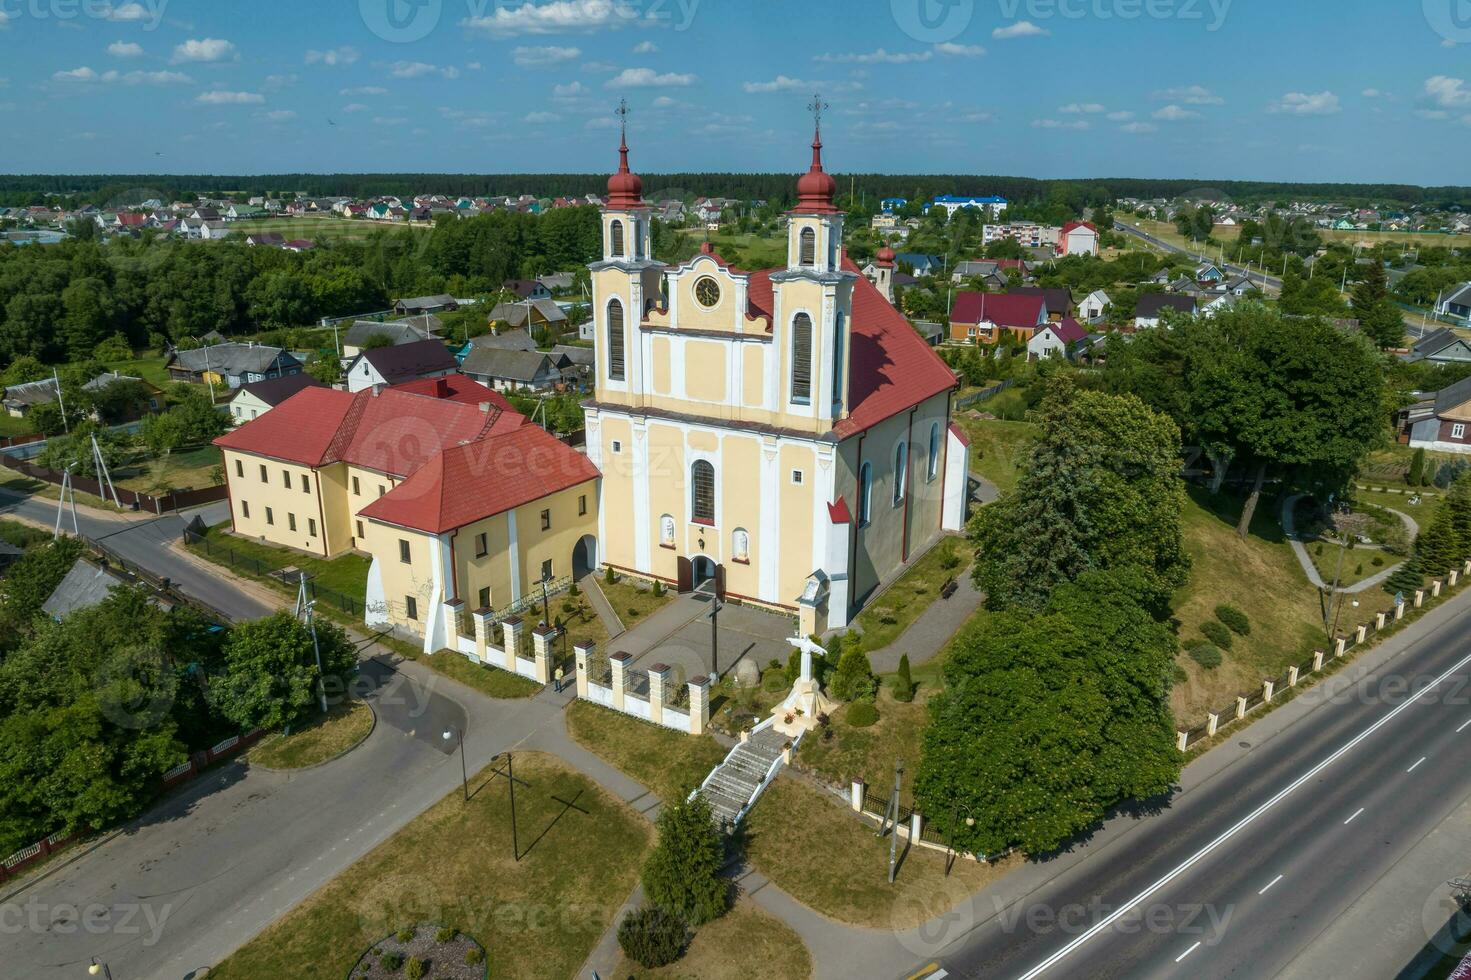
(324, 737)
(997, 447)
(347, 573)
(22, 535)
(12, 426)
(148, 367)
(668, 763)
(1261, 577)
(746, 251)
(632, 600)
(726, 949)
(889, 614)
(26, 486)
(452, 865)
(830, 860)
(490, 681)
(185, 469)
(1421, 513)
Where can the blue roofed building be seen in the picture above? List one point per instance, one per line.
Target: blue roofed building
(994, 206)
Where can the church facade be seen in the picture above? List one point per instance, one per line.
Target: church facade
(781, 436)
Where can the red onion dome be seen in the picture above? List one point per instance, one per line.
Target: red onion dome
(815, 189)
(885, 256)
(625, 189)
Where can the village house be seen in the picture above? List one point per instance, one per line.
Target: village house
(505, 369)
(390, 333)
(1441, 423)
(1056, 340)
(1153, 306)
(419, 305)
(982, 318)
(254, 400)
(232, 365)
(379, 366)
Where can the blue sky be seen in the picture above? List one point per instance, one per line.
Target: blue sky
(1256, 89)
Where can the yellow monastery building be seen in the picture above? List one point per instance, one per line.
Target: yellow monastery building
(782, 435)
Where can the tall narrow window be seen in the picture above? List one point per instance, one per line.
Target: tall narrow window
(901, 472)
(838, 372)
(615, 234)
(807, 247)
(934, 467)
(615, 340)
(702, 492)
(865, 494)
(801, 358)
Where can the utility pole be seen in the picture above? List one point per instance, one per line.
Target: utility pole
(103, 476)
(308, 609)
(66, 488)
(56, 380)
(892, 812)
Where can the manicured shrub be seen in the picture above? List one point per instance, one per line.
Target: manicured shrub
(392, 961)
(950, 560)
(573, 590)
(474, 956)
(774, 680)
(1205, 653)
(1377, 562)
(1234, 619)
(406, 934)
(632, 613)
(658, 588)
(652, 937)
(1217, 634)
(794, 667)
(682, 875)
(903, 682)
(854, 680)
(415, 968)
(862, 714)
(610, 576)
(445, 934)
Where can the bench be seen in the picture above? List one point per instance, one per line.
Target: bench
(948, 589)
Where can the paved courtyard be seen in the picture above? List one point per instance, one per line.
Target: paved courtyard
(679, 635)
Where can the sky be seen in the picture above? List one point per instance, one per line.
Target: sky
(1303, 90)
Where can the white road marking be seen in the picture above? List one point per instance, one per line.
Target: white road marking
(1416, 765)
(1269, 885)
(1240, 825)
(1352, 815)
(1188, 951)
(1463, 725)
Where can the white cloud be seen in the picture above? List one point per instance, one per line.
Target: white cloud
(1174, 113)
(548, 54)
(148, 78)
(542, 117)
(82, 74)
(280, 115)
(355, 107)
(599, 66)
(364, 90)
(1077, 108)
(1448, 93)
(128, 13)
(418, 69)
(1059, 124)
(1448, 43)
(1022, 28)
(665, 102)
(5, 19)
(879, 57)
(648, 78)
(230, 98)
(1306, 104)
(558, 17)
(645, 47)
(960, 50)
(569, 91)
(1190, 95)
(205, 49)
(1138, 127)
(1371, 93)
(783, 83)
(1122, 115)
(333, 57)
(281, 81)
(124, 49)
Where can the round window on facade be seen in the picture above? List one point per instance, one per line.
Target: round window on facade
(707, 292)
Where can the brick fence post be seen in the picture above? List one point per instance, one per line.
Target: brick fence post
(1317, 660)
(1292, 676)
(699, 704)
(855, 795)
(1435, 589)
(658, 676)
(1419, 598)
(619, 662)
(583, 652)
(1212, 722)
(1268, 688)
(1241, 707)
(482, 632)
(1338, 646)
(541, 651)
(1361, 632)
(511, 640)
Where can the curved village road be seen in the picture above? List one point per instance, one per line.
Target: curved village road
(1264, 849)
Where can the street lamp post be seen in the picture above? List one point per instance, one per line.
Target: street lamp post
(970, 821)
(546, 619)
(450, 733)
(98, 967)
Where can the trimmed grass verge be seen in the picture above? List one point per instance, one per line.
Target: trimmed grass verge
(320, 740)
(997, 447)
(889, 615)
(726, 949)
(668, 763)
(452, 865)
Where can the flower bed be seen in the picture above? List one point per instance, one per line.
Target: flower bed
(454, 957)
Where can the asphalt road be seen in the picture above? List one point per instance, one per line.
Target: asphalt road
(146, 541)
(1239, 874)
(1256, 276)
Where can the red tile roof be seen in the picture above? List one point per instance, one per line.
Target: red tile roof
(456, 387)
(1003, 309)
(890, 367)
(299, 430)
(959, 434)
(1078, 224)
(1068, 330)
(838, 512)
(468, 483)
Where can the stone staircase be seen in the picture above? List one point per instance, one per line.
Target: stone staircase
(731, 786)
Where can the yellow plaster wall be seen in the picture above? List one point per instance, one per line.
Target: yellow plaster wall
(705, 369)
(243, 472)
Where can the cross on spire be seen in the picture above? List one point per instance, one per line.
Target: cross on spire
(622, 113)
(816, 107)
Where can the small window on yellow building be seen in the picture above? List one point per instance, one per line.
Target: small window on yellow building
(546, 520)
(403, 551)
(411, 607)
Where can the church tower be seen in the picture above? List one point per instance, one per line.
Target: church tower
(883, 275)
(814, 296)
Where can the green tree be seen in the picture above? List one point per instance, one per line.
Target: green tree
(903, 682)
(853, 680)
(1417, 468)
(682, 875)
(1436, 546)
(271, 678)
(1379, 318)
(29, 583)
(1049, 718)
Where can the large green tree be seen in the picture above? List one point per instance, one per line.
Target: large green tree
(1100, 490)
(1050, 718)
(271, 678)
(682, 875)
(1379, 318)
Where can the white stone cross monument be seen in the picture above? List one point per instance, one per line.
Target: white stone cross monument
(806, 701)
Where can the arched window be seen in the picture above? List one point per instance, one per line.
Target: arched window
(865, 494)
(615, 235)
(615, 340)
(901, 472)
(807, 247)
(801, 359)
(838, 372)
(934, 467)
(740, 545)
(638, 240)
(702, 492)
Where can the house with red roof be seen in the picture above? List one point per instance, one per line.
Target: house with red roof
(460, 502)
(779, 436)
(1056, 339)
(982, 318)
(1078, 238)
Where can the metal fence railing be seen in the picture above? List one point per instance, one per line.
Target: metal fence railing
(227, 555)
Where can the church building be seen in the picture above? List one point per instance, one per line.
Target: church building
(781, 436)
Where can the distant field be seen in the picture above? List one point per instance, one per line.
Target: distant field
(320, 228)
(1167, 232)
(745, 251)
